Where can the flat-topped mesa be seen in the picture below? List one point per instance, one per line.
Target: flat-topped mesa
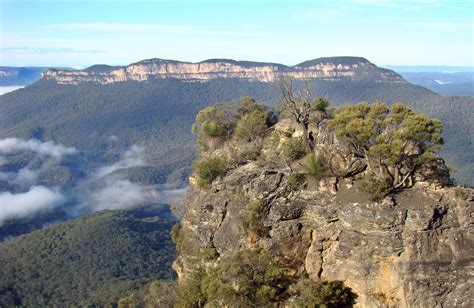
(334, 68)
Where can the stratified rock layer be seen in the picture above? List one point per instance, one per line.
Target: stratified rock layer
(414, 249)
(336, 68)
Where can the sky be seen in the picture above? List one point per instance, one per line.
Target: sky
(80, 33)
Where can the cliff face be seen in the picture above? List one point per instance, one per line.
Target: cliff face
(413, 249)
(336, 68)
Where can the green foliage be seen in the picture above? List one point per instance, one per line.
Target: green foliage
(160, 293)
(213, 124)
(396, 141)
(294, 181)
(254, 220)
(190, 292)
(293, 149)
(376, 188)
(313, 165)
(248, 278)
(321, 104)
(248, 104)
(208, 254)
(251, 125)
(212, 129)
(94, 260)
(177, 236)
(208, 169)
(331, 294)
(320, 108)
(160, 114)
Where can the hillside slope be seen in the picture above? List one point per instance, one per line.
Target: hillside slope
(96, 259)
(159, 113)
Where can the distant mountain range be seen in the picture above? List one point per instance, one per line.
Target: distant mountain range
(445, 83)
(104, 111)
(352, 68)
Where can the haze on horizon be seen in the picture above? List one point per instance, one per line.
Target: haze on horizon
(82, 33)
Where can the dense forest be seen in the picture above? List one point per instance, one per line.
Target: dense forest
(96, 259)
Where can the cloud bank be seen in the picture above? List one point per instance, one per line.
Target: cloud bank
(24, 204)
(134, 157)
(102, 189)
(49, 148)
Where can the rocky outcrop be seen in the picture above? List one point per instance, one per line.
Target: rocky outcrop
(336, 68)
(413, 249)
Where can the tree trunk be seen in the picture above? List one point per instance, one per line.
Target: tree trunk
(306, 143)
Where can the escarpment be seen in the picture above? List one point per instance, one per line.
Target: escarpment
(336, 68)
(411, 246)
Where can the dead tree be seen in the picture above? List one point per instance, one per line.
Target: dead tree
(298, 104)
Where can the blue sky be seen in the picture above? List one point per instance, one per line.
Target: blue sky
(81, 33)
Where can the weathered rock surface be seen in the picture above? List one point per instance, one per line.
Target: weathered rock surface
(335, 68)
(416, 253)
(413, 249)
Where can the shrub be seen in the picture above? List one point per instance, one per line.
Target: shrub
(212, 125)
(462, 193)
(177, 236)
(396, 139)
(322, 294)
(254, 219)
(376, 189)
(293, 149)
(212, 129)
(190, 291)
(251, 125)
(248, 278)
(208, 169)
(208, 254)
(294, 181)
(246, 152)
(313, 165)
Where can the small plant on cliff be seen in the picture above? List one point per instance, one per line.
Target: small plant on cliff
(462, 193)
(376, 188)
(248, 278)
(190, 292)
(320, 109)
(313, 165)
(315, 170)
(208, 169)
(330, 294)
(292, 149)
(253, 221)
(294, 181)
(251, 126)
(213, 125)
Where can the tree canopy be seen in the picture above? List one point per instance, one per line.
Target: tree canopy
(395, 141)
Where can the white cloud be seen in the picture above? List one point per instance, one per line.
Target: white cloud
(134, 157)
(23, 204)
(25, 177)
(49, 148)
(120, 194)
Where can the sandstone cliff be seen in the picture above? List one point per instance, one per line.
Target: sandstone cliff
(335, 68)
(413, 249)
